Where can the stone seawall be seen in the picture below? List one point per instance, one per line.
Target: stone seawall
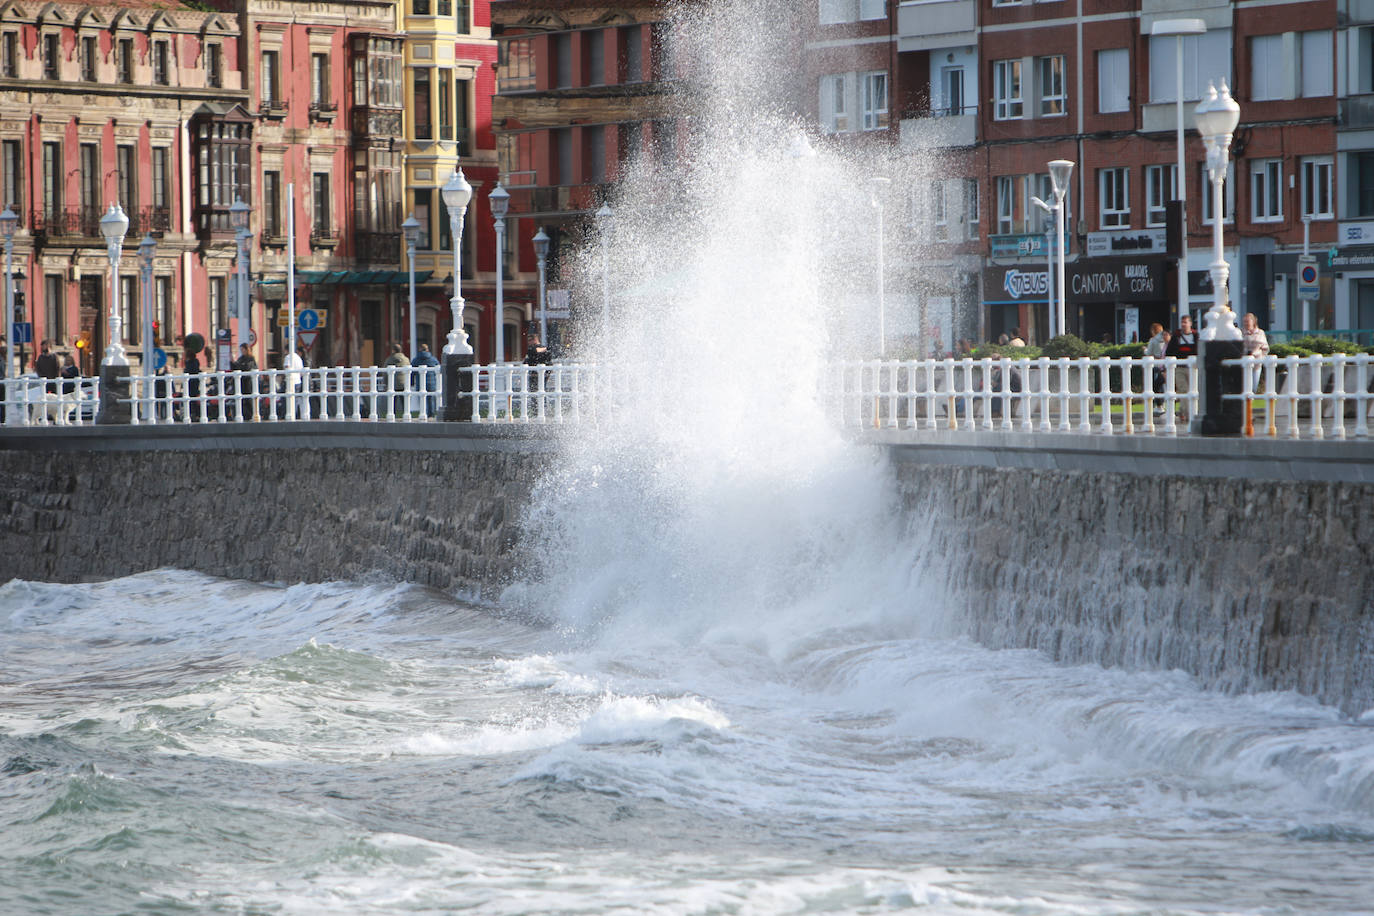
(1249, 567)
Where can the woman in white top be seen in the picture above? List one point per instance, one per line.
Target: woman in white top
(1159, 341)
(1255, 344)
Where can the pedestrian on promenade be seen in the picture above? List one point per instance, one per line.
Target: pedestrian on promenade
(1016, 339)
(1182, 344)
(295, 385)
(246, 364)
(46, 365)
(396, 380)
(426, 360)
(1256, 344)
(69, 372)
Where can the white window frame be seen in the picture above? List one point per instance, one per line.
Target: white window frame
(1266, 190)
(1110, 60)
(972, 207)
(1006, 106)
(1318, 172)
(1267, 69)
(939, 210)
(1228, 194)
(834, 103)
(1054, 101)
(1206, 58)
(1114, 198)
(1317, 57)
(872, 9)
(1161, 182)
(1006, 204)
(874, 115)
(833, 12)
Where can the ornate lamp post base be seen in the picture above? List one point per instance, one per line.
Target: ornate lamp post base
(457, 389)
(1221, 416)
(114, 393)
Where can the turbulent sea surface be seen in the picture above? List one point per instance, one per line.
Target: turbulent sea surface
(174, 743)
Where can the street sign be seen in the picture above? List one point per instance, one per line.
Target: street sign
(252, 337)
(1309, 278)
(311, 319)
(283, 319)
(159, 358)
(307, 339)
(23, 332)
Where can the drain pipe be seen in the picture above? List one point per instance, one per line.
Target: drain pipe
(187, 303)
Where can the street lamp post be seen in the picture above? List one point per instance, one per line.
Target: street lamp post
(1217, 117)
(238, 219)
(605, 220)
(411, 230)
(541, 251)
(879, 187)
(500, 205)
(114, 369)
(457, 351)
(1049, 211)
(1179, 29)
(147, 250)
(9, 221)
(1060, 172)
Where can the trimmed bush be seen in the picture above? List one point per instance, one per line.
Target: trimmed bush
(1067, 345)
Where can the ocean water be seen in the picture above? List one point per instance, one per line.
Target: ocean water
(174, 743)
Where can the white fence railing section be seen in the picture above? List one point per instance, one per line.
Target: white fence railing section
(1311, 397)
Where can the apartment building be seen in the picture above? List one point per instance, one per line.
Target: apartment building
(992, 90)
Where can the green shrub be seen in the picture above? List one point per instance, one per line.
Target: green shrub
(1006, 350)
(1118, 351)
(1287, 350)
(1326, 346)
(1067, 345)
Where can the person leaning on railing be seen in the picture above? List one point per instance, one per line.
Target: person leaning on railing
(1255, 344)
(1157, 346)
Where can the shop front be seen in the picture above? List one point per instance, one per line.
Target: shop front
(1016, 298)
(1114, 300)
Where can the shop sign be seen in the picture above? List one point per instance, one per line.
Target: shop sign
(1356, 233)
(1012, 285)
(1116, 280)
(1351, 257)
(1107, 244)
(1022, 245)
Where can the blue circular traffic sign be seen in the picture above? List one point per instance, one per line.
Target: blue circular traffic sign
(1308, 274)
(159, 358)
(308, 320)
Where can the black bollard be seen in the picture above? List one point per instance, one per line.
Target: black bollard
(114, 393)
(1221, 416)
(457, 405)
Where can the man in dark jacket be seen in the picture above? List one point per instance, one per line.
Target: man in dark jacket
(46, 364)
(1183, 343)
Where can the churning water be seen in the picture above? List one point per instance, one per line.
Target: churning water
(727, 682)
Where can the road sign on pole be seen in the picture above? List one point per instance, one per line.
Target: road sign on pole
(307, 339)
(1309, 278)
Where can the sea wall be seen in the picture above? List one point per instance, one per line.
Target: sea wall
(1249, 565)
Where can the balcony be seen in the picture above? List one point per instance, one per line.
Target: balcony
(323, 111)
(324, 237)
(1357, 111)
(377, 247)
(940, 128)
(71, 223)
(377, 123)
(923, 25)
(150, 220)
(273, 109)
(562, 200)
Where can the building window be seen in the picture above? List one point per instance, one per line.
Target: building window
(424, 202)
(1006, 81)
(129, 307)
(1206, 58)
(443, 8)
(270, 89)
(50, 57)
(213, 69)
(419, 7)
(1317, 64)
(971, 208)
(594, 153)
(162, 193)
(90, 53)
(164, 314)
(1159, 190)
(939, 212)
(445, 104)
(562, 59)
(596, 57)
(1228, 194)
(630, 40)
(52, 180)
(126, 161)
(1113, 80)
(1115, 198)
(12, 165)
(563, 150)
(875, 100)
(223, 171)
(319, 79)
(126, 60)
(161, 59)
(271, 205)
(9, 55)
(833, 107)
(1316, 187)
(462, 16)
(1266, 190)
(320, 226)
(424, 130)
(951, 92)
(1266, 67)
(377, 73)
(219, 309)
(1006, 204)
(462, 117)
(1052, 98)
(90, 181)
(54, 308)
(1360, 176)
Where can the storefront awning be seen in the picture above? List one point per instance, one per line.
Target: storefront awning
(352, 278)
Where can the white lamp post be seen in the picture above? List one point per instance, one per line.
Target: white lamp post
(1060, 172)
(1217, 118)
(147, 249)
(456, 194)
(238, 219)
(541, 251)
(9, 221)
(411, 230)
(879, 188)
(1049, 211)
(113, 225)
(500, 205)
(605, 221)
(1180, 28)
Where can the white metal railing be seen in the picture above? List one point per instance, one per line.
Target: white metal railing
(1101, 396)
(32, 401)
(1306, 396)
(560, 393)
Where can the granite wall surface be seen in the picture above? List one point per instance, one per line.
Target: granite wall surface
(1249, 581)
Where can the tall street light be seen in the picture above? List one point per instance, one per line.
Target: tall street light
(411, 230)
(500, 205)
(605, 221)
(1216, 119)
(879, 188)
(1180, 28)
(114, 369)
(457, 352)
(9, 221)
(1060, 172)
(147, 249)
(238, 219)
(1049, 211)
(541, 251)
